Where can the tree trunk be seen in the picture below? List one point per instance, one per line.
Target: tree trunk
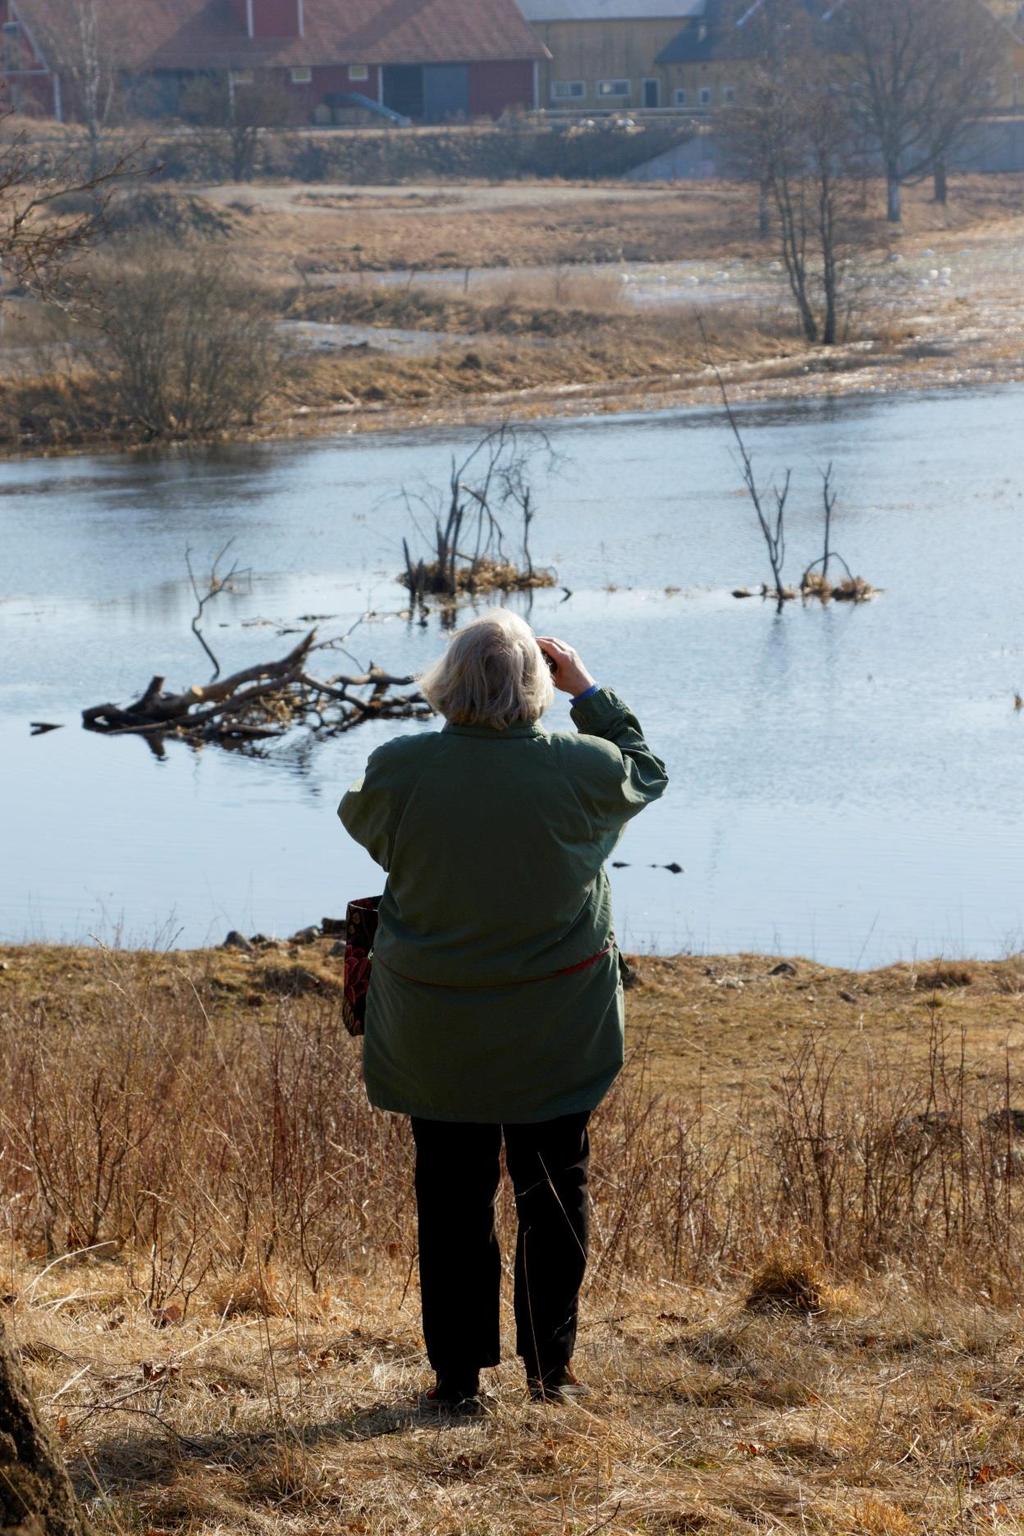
(894, 195)
(35, 1494)
(764, 216)
(941, 183)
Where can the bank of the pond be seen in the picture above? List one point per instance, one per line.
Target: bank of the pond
(584, 324)
(476, 387)
(722, 1026)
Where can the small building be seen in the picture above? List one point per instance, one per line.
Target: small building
(429, 60)
(690, 55)
(605, 54)
(701, 65)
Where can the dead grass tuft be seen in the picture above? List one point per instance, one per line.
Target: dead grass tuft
(937, 978)
(483, 575)
(252, 1294)
(788, 1285)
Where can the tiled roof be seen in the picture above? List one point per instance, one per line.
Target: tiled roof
(611, 10)
(205, 34)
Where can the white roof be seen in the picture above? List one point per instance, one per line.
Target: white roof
(611, 10)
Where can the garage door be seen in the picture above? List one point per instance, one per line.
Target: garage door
(445, 92)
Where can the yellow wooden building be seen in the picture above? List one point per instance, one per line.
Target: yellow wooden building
(604, 53)
(687, 55)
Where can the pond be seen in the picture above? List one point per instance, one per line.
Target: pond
(846, 781)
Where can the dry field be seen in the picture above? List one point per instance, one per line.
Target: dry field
(537, 300)
(802, 1313)
(319, 231)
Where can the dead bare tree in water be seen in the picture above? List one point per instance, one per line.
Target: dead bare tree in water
(815, 583)
(771, 518)
(813, 580)
(770, 507)
(467, 538)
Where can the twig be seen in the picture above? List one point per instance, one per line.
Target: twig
(214, 586)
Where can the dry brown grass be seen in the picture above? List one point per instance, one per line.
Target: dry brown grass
(545, 224)
(484, 575)
(801, 1313)
(517, 352)
(506, 350)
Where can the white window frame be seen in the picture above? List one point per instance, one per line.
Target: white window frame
(568, 90)
(705, 96)
(359, 72)
(679, 95)
(606, 88)
(644, 83)
(302, 74)
(728, 95)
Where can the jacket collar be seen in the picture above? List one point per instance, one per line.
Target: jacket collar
(489, 733)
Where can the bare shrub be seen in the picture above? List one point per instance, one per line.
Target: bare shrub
(228, 118)
(186, 346)
(226, 1147)
(467, 536)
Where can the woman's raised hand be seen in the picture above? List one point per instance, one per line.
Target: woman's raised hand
(570, 675)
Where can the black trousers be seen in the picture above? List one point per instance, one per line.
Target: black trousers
(458, 1167)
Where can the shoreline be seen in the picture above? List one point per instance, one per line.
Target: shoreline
(854, 371)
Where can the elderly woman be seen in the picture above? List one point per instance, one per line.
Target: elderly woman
(495, 1009)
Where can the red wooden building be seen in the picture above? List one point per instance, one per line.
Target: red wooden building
(429, 60)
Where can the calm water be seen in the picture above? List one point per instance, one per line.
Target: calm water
(846, 783)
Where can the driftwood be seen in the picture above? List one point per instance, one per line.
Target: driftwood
(262, 701)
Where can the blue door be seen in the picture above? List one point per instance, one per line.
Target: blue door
(445, 92)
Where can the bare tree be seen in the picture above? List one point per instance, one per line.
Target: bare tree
(187, 345)
(39, 237)
(917, 77)
(231, 117)
(87, 41)
(793, 136)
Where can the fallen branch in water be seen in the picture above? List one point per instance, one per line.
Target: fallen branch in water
(260, 702)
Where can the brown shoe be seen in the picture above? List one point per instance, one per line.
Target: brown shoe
(460, 1399)
(558, 1386)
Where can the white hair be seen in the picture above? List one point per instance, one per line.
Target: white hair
(493, 673)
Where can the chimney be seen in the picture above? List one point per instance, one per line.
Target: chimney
(276, 18)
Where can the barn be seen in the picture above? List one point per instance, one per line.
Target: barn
(604, 55)
(427, 60)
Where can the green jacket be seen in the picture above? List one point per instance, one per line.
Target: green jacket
(494, 843)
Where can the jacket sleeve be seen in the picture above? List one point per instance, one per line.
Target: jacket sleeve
(366, 811)
(634, 775)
